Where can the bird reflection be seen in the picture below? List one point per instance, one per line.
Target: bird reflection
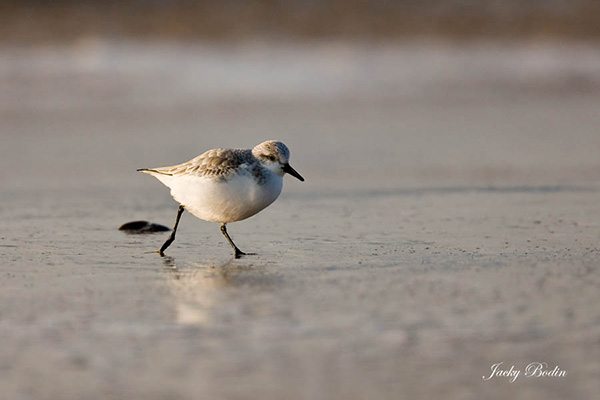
(197, 288)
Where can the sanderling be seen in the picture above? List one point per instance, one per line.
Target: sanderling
(226, 185)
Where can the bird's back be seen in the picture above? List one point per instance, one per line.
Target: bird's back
(215, 163)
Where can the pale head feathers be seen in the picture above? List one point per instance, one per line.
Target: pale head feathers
(272, 151)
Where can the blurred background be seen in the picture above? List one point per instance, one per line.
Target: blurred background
(183, 74)
(30, 21)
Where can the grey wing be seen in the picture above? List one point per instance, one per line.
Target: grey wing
(217, 163)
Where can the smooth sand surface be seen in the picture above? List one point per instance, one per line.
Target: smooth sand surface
(431, 240)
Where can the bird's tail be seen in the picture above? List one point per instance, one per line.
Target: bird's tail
(152, 171)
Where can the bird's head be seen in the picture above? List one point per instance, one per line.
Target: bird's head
(275, 156)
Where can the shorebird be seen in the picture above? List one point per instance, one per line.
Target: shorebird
(226, 185)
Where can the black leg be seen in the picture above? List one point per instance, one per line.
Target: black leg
(172, 236)
(238, 252)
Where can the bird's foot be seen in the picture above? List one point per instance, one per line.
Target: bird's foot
(239, 253)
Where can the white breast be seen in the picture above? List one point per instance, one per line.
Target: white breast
(234, 199)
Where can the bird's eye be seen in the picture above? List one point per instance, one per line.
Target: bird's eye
(271, 158)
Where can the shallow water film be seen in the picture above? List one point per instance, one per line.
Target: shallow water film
(449, 222)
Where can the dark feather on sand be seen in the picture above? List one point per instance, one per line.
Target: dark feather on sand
(143, 227)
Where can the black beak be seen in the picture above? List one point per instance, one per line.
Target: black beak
(287, 168)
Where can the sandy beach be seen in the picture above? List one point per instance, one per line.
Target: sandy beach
(447, 223)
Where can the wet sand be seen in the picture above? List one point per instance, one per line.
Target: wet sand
(433, 238)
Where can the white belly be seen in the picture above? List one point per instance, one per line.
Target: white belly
(233, 200)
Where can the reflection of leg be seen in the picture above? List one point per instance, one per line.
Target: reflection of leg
(172, 237)
(238, 252)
